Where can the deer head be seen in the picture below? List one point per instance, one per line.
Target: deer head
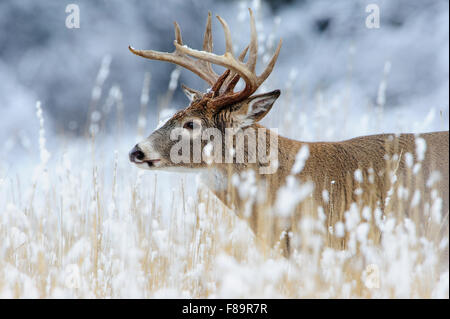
(218, 109)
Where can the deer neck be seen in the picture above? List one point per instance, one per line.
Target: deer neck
(234, 183)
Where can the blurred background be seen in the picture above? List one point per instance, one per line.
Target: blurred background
(77, 219)
(327, 51)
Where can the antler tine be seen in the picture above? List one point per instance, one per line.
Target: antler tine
(250, 82)
(181, 60)
(243, 54)
(251, 63)
(216, 87)
(243, 70)
(226, 30)
(253, 56)
(227, 60)
(201, 64)
(271, 64)
(233, 79)
(178, 33)
(208, 44)
(232, 83)
(207, 39)
(200, 67)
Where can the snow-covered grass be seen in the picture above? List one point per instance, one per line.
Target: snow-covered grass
(77, 220)
(83, 222)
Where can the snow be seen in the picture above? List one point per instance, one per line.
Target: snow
(300, 159)
(79, 221)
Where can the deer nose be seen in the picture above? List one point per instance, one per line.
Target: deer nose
(136, 155)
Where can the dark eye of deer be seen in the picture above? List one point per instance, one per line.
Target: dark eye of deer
(189, 125)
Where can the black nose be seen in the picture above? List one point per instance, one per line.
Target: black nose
(136, 154)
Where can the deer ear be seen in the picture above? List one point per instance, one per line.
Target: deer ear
(191, 94)
(257, 107)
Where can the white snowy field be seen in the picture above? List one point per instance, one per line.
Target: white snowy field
(81, 221)
(77, 220)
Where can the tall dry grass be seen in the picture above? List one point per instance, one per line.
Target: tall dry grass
(82, 222)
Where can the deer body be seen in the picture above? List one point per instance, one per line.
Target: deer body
(331, 166)
(362, 169)
(330, 163)
(338, 162)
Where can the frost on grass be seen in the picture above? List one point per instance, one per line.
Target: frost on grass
(103, 229)
(84, 223)
(300, 160)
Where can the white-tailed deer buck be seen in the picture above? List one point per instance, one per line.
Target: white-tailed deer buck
(381, 161)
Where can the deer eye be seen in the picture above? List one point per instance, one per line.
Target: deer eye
(189, 125)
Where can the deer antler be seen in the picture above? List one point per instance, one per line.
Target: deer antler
(202, 68)
(202, 65)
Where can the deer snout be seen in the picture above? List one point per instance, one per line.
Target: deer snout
(136, 155)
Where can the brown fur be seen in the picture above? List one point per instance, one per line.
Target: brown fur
(330, 166)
